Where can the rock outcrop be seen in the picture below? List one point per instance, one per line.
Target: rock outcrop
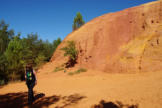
(126, 41)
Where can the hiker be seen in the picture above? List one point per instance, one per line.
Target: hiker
(31, 81)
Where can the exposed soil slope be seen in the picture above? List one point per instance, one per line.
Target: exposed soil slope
(125, 41)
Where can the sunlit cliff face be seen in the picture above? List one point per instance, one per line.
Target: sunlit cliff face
(126, 41)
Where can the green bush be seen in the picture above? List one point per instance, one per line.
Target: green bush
(70, 51)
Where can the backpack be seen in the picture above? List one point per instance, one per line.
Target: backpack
(29, 75)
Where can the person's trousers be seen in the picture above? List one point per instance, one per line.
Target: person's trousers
(30, 86)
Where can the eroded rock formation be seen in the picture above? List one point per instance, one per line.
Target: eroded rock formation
(126, 41)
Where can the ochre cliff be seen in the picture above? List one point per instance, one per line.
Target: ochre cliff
(125, 41)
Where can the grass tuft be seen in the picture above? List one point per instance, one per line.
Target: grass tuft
(77, 71)
(71, 73)
(58, 69)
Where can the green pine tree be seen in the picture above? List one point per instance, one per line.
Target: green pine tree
(78, 21)
(5, 37)
(14, 55)
(56, 43)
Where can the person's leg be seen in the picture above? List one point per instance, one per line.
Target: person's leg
(32, 94)
(29, 85)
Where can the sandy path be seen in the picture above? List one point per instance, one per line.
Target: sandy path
(83, 91)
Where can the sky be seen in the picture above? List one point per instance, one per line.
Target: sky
(51, 19)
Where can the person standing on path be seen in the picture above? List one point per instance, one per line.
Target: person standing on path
(31, 81)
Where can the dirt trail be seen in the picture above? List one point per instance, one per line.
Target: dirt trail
(86, 89)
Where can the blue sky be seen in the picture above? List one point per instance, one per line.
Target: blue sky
(51, 19)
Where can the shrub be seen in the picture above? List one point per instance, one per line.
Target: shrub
(70, 51)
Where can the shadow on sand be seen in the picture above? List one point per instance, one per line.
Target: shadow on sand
(19, 100)
(116, 104)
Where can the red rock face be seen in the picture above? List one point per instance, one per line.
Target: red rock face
(109, 42)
